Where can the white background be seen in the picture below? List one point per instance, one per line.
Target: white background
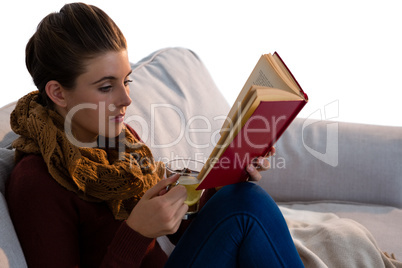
(346, 55)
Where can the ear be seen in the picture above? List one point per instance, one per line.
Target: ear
(55, 92)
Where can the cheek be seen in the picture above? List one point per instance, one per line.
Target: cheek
(92, 116)
(93, 113)
(96, 120)
(87, 115)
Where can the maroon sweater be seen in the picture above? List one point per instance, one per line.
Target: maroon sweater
(58, 229)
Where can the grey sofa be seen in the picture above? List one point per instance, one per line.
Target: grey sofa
(323, 171)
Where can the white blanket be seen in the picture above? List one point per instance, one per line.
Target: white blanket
(326, 240)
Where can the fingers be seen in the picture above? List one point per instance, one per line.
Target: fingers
(172, 181)
(174, 200)
(176, 221)
(272, 152)
(157, 215)
(160, 187)
(176, 194)
(173, 196)
(260, 164)
(180, 213)
(253, 172)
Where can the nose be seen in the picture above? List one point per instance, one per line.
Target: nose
(124, 99)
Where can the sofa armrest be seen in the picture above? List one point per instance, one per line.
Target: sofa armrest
(7, 136)
(328, 160)
(11, 254)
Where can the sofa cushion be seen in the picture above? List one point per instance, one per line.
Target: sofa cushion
(176, 106)
(326, 160)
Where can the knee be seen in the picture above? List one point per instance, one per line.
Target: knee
(246, 196)
(246, 191)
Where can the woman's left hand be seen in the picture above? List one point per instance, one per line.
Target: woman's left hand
(259, 164)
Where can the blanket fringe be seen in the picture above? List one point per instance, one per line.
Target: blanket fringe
(392, 256)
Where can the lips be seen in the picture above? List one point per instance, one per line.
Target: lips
(118, 118)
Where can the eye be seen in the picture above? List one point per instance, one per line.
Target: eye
(105, 89)
(127, 81)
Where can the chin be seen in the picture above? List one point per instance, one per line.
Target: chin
(115, 131)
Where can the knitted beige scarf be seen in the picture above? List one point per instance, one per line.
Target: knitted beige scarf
(118, 177)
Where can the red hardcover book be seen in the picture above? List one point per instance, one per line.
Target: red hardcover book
(269, 101)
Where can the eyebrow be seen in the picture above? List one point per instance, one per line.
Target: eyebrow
(109, 78)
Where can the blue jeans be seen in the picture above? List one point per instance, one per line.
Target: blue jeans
(240, 226)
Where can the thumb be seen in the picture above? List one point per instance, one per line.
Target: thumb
(160, 186)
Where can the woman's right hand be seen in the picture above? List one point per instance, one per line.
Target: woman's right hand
(159, 212)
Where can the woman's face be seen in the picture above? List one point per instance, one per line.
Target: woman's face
(97, 105)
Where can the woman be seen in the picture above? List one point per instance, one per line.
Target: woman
(86, 192)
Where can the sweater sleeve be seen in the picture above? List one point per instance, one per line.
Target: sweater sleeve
(129, 248)
(57, 229)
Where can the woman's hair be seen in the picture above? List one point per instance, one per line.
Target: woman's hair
(63, 42)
